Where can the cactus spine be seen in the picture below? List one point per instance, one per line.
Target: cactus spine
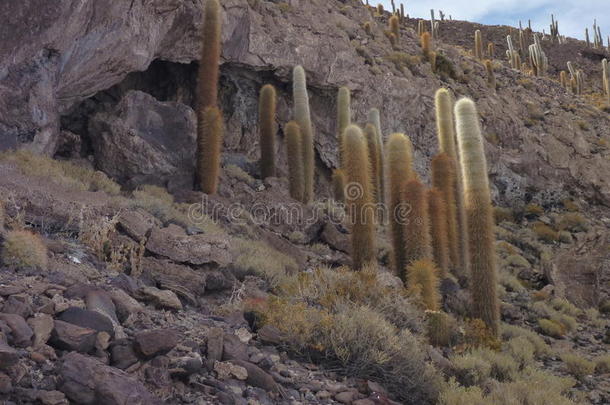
(394, 26)
(606, 79)
(343, 114)
(339, 181)
(479, 216)
(372, 141)
(303, 118)
(418, 244)
(400, 170)
(446, 141)
(358, 197)
(209, 148)
(491, 78)
(478, 45)
(438, 230)
(209, 122)
(295, 160)
(266, 119)
(444, 180)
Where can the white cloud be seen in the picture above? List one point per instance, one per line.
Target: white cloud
(573, 16)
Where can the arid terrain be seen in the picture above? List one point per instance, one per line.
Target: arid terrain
(121, 283)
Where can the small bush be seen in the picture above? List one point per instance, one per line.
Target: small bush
(534, 387)
(505, 248)
(522, 350)
(571, 205)
(565, 306)
(518, 261)
(573, 222)
(545, 233)
(403, 60)
(533, 210)
(478, 335)
(454, 394)
(502, 214)
(503, 366)
(578, 366)
(509, 332)
(471, 369)
(24, 250)
(551, 328)
(441, 328)
(602, 364)
(239, 174)
(422, 278)
(257, 257)
(61, 172)
(510, 282)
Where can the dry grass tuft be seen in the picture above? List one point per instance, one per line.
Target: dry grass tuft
(24, 250)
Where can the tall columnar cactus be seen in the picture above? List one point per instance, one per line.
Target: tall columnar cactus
(380, 9)
(421, 28)
(478, 45)
(207, 94)
(339, 181)
(400, 170)
(370, 132)
(438, 229)
(418, 243)
(303, 117)
(358, 196)
(294, 144)
(446, 141)
(479, 215)
(491, 77)
(522, 45)
(375, 119)
(267, 129)
(587, 38)
(209, 147)
(606, 79)
(425, 45)
(512, 54)
(491, 50)
(444, 180)
(344, 116)
(395, 26)
(576, 79)
(563, 79)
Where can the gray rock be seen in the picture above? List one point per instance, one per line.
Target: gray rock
(42, 326)
(187, 283)
(136, 223)
(215, 345)
(144, 141)
(125, 304)
(87, 381)
(21, 333)
(233, 348)
(160, 298)
(155, 342)
(17, 305)
(122, 354)
(87, 319)
(8, 356)
(67, 336)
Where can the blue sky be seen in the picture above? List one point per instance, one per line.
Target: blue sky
(573, 16)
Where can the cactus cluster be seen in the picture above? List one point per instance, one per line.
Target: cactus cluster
(577, 79)
(513, 56)
(538, 60)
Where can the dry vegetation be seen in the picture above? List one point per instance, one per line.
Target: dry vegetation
(24, 250)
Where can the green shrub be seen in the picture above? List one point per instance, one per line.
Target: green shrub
(522, 350)
(503, 366)
(533, 388)
(502, 214)
(565, 306)
(516, 260)
(454, 394)
(24, 250)
(573, 222)
(551, 328)
(509, 332)
(471, 369)
(545, 233)
(578, 366)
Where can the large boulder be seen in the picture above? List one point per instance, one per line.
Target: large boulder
(144, 141)
(87, 381)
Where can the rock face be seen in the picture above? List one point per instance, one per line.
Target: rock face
(144, 141)
(87, 381)
(64, 53)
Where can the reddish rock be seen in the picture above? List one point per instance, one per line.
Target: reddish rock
(21, 333)
(154, 342)
(67, 336)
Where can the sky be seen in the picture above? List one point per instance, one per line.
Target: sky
(573, 15)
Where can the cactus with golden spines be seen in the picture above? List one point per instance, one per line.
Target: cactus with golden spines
(438, 231)
(209, 117)
(423, 279)
(606, 79)
(339, 182)
(563, 79)
(344, 115)
(294, 145)
(303, 117)
(395, 26)
(426, 45)
(479, 215)
(478, 45)
(418, 243)
(267, 129)
(359, 198)
(209, 147)
(400, 170)
(375, 119)
(491, 77)
(372, 140)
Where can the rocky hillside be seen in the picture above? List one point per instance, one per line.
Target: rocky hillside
(120, 284)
